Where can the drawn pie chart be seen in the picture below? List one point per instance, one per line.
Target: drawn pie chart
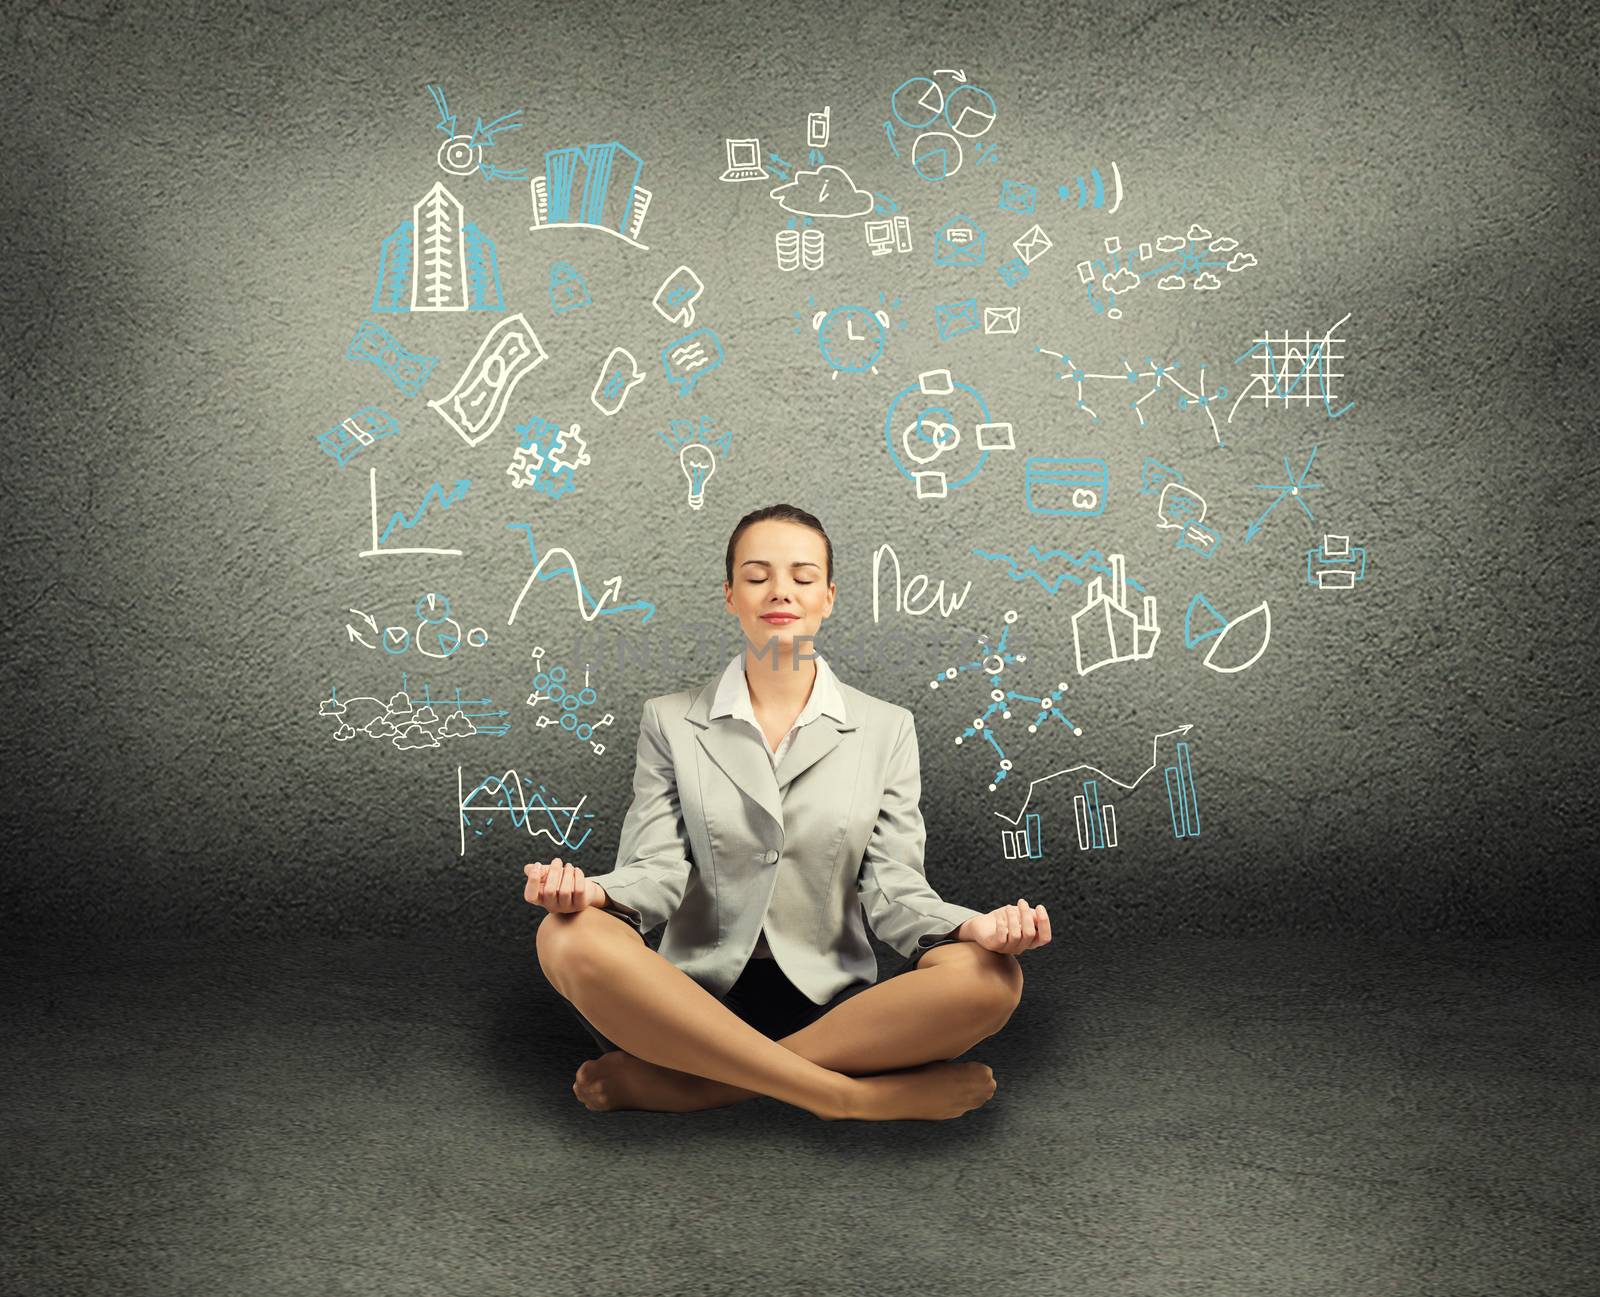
(936, 155)
(970, 111)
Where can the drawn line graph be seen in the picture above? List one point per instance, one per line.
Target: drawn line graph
(1155, 760)
(434, 495)
(508, 794)
(1278, 364)
(589, 606)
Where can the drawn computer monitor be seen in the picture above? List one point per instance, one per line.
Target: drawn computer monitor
(744, 161)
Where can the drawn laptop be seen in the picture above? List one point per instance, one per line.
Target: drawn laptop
(744, 161)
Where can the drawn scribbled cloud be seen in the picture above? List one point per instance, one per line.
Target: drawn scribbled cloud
(827, 191)
(1123, 281)
(413, 737)
(457, 725)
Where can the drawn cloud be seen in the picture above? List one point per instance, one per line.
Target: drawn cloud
(1124, 281)
(1170, 281)
(1205, 281)
(827, 191)
(1241, 261)
(1169, 243)
(457, 725)
(414, 736)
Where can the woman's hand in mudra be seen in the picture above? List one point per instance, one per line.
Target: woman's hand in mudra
(560, 888)
(1011, 929)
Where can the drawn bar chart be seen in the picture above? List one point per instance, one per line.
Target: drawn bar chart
(1023, 843)
(1097, 821)
(1180, 795)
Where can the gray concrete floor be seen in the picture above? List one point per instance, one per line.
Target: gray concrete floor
(1233, 1118)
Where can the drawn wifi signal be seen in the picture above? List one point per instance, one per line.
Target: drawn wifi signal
(1094, 192)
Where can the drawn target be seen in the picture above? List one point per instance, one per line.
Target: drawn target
(460, 156)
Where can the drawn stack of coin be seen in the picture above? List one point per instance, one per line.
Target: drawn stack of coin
(811, 249)
(789, 249)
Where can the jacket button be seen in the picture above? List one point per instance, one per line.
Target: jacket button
(771, 857)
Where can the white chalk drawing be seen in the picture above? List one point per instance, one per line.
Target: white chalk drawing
(437, 634)
(530, 805)
(906, 593)
(476, 404)
(1107, 630)
(619, 375)
(1155, 761)
(435, 495)
(552, 684)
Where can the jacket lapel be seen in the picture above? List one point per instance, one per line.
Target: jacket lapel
(811, 744)
(742, 755)
(739, 753)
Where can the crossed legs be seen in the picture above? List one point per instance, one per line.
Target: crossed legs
(682, 1049)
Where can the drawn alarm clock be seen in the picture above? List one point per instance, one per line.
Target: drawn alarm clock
(852, 338)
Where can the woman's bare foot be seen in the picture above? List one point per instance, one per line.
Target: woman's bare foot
(619, 1080)
(931, 1092)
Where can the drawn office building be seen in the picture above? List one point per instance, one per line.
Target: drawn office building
(592, 184)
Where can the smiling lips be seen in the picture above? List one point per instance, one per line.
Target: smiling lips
(779, 618)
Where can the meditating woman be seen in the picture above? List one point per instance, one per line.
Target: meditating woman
(769, 808)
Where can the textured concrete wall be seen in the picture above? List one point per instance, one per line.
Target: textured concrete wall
(194, 200)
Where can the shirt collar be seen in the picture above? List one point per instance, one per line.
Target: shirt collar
(733, 695)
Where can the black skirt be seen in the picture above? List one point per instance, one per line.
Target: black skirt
(763, 997)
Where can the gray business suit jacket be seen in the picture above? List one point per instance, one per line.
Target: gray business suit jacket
(716, 844)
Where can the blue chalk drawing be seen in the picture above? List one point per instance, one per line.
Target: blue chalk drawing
(547, 457)
(465, 153)
(407, 370)
(1050, 569)
(592, 187)
(993, 663)
(369, 424)
(1294, 487)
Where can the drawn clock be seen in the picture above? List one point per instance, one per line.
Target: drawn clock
(852, 338)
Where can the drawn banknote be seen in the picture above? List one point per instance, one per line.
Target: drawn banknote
(346, 440)
(407, 370)
(477, 403)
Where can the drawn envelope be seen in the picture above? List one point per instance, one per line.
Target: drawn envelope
(1033, 245)
(1001, 319)
(958, 242)
(956, 318)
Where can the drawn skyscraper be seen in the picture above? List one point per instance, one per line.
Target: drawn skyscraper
(436, 261)
(593, 184)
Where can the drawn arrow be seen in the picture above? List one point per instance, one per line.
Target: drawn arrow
(960, 74)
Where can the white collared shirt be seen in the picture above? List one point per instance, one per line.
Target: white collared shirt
(733, 699)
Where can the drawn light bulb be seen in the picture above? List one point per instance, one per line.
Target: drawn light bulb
(699, 462)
